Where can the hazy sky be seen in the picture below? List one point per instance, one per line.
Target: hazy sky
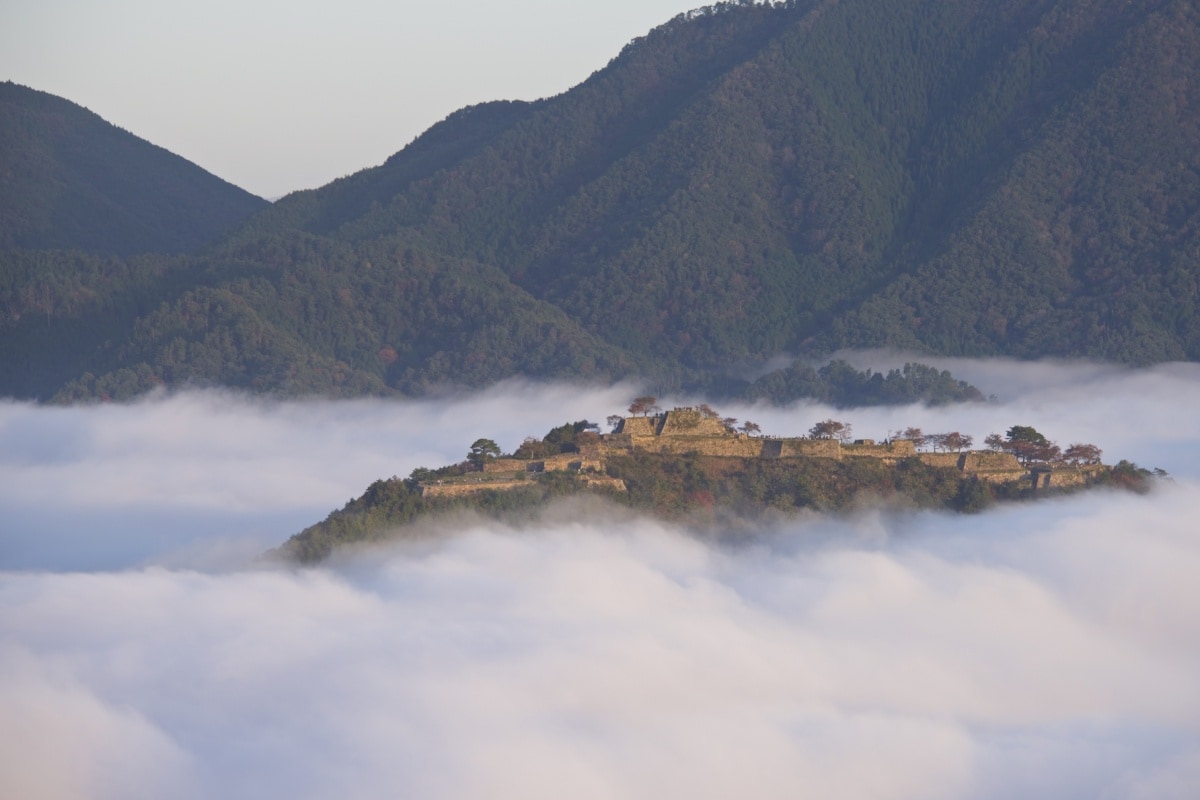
(276, 96)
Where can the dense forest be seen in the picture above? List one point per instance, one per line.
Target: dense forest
(983, 177)
(72, 181)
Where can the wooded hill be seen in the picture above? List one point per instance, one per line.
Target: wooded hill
(72, 181)
(691, 467)
(982, 177)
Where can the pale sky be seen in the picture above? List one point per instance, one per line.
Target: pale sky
(276, 96)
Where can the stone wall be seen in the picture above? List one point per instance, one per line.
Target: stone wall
(946, 460)
(985, 465)
(639, 426)
(999, 475)
(690, 422)
(563, 462)
(893, 451)
(1065, 476)
(727, 445)
(461, 488)
(978, 460)
(505, 465)
(810, 448)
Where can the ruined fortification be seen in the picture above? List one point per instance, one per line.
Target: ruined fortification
(685, 431)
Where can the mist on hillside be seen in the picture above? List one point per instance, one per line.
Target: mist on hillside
(1039, 649)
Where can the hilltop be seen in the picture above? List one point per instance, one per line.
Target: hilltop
(972, 178)
(690, 465)
(73, 181)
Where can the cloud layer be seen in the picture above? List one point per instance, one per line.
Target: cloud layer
(874, 657)
(1045, 649)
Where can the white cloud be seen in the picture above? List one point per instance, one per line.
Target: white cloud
(1044, 649)
(635, 661)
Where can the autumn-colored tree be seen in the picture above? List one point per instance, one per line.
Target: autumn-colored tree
(749, 427)
(1080, 453)
(646, 404)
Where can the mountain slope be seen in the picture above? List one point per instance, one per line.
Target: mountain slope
(766, 178)
(979, 177)
(73, 181)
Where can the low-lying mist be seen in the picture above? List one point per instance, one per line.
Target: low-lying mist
(1046, 649)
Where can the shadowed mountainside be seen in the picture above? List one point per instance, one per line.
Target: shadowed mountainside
(73, 181)
(972, 178)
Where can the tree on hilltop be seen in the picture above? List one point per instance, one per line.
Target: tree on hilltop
(1026, 443)
(1080, 453)
(914, 435)
(831, 429)
(483, 450)
(647, 404)
(953, 441)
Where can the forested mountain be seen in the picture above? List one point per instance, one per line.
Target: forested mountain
(73, 181)
(977, 177)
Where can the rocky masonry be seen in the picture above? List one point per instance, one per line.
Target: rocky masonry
(685, 430)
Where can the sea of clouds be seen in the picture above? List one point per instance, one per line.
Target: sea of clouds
(1037, 650)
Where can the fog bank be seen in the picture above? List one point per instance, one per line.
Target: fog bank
(1045, 650)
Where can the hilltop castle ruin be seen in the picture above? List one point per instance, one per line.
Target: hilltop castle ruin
(683, 431)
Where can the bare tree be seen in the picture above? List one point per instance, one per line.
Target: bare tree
(914, 435)
(957, 441)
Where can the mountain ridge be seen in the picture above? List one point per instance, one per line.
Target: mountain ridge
(75, 181)
(745, 180)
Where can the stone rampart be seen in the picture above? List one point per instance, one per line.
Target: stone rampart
(639, 426)
(945, 460)
(979, 460)
(457, 489)
(985, 465)
(505, 465)
(690, 422)
(893, 451)
(1043, 477)
(998, 475)
(810, 448)
(468, 486)
(727, 445)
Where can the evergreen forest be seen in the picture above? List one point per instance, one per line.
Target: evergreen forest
(969, 178)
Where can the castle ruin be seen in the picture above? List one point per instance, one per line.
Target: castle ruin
(684, 431)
